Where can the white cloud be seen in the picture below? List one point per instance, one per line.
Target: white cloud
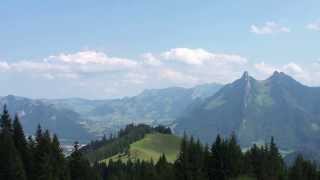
(269, 28)
(177, 77)
(153, 69)
(290, 68)
(150, 59)
(4, 66)
(308, 73)
(38, 67)
(293, 68)
(315, 26)
(48, 76)
(264, 68)
(109, 76)
(92, 57)
(200, 56)
(71, 66)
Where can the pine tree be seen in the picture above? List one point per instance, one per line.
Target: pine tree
(5, 121)
(79, 167)
(42, 156)
(303, 170)
(182, 162)
(206, 161)
(11, 165)
(164, 169)
(275, 164)
(59, 165)
(234, 157)
(32, 149)
(22, 146)
(217, 163)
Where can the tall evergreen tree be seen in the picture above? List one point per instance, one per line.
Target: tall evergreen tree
(275, 164)
(217, 164)
(303, 170)
(22, 146)
(59, 165)
(182, 162)
(5, 121)
(42, 156)
(234, 157)
(164, 169)
(11, 165)
(207, 161)
(79, 166)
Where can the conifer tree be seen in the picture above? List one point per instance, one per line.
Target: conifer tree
(275, 164)
(206, 161)
(217, 165)
(303, 170)
(181, 164)
(164, 169)
(22, 146)
(59, 165)
(43, 169)
(11, 165)
(79, 167)
(5, 121)
(234, 157)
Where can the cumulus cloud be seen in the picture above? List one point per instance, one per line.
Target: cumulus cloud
(4, 66)
(264, 68)
(290, 68)
(174, 67)
(315, 26)
(178, 77)
(293, 68)
(92, 73)
(71, 65)
(91, 58)
(150, 59)
(308, 73)
(200, 56)
(269, 28)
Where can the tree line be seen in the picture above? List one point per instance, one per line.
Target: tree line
(41, 158)
(38, 157)
(223, 160)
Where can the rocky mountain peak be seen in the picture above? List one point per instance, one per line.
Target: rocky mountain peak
(245, 76)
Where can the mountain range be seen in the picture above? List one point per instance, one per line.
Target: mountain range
(64, 122)
(82, 119)
(253, 109)
(257, 110)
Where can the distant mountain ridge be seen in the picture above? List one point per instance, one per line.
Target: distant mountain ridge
(253, 109)
(155, 106)
(77, 118)
(64, 122)
(256, 110)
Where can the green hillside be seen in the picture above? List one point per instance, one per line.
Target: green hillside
(151, 147)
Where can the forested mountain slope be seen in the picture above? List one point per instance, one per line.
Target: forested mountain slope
(256, 110)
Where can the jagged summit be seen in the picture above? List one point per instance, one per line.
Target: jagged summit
(284, 79)
(278, 74)
(256, 110)
(245, 75)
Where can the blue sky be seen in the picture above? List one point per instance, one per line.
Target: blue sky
(107, 49)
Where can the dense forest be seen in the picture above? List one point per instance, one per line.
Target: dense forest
(40, 157)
